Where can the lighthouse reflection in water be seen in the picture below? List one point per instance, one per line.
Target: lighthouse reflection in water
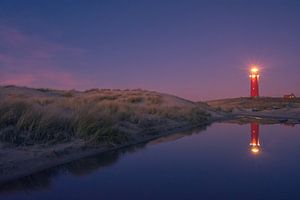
(254, 143)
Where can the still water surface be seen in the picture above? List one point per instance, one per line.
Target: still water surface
(225, 161)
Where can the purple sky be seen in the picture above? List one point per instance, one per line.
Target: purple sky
(198, 50)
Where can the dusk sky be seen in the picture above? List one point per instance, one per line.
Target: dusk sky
(198, 50)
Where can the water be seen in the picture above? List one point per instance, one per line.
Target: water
(217, 163)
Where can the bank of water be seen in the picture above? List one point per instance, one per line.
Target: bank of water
(225, 161)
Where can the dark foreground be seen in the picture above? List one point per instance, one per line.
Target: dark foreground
(216, 163)
(44, 128)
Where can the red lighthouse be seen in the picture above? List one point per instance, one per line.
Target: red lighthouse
(254, 76)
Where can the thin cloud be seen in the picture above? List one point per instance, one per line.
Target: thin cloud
(33, 61)
(40, 78)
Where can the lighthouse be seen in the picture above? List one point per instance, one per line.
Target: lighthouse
(254, 143)
(254, 76)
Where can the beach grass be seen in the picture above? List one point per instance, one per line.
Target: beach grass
(45, 116)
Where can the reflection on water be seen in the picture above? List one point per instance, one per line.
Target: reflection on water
(218, 163)
(80, 167)
(254, 144)
(84, 166)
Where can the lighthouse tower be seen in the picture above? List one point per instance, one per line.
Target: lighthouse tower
(254, 76)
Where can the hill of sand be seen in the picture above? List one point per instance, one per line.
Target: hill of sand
(40, 128)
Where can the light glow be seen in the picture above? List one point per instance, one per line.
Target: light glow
(254, 70)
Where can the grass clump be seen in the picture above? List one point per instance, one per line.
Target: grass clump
(97, 116)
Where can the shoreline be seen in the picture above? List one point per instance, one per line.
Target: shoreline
(42, 128)
(47, 161)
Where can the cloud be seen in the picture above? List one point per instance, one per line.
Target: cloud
(40, 78)
(31, 60)
(16, 79)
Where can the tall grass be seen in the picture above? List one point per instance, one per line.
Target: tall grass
(97, 116)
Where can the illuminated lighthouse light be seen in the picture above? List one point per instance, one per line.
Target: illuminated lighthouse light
(254, 70)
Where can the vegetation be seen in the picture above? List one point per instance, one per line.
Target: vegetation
(44, 116)
(255, 104)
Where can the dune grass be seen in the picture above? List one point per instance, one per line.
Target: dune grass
(45, 116)
(261, 103)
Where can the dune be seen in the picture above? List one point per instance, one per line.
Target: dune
(41, 128)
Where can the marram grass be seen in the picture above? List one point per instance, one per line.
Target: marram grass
(46, 116)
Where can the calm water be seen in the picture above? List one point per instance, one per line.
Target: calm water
(216, 163)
